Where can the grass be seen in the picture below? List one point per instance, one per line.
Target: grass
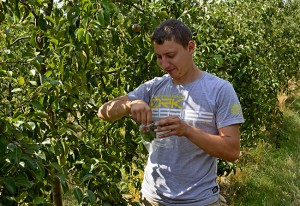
(270, 176)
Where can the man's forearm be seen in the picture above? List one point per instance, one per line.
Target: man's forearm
(114, 110)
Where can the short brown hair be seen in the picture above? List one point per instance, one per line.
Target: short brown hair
(172, 29)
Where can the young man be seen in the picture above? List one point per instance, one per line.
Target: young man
(197, 117)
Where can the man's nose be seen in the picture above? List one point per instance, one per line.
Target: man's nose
(164, 63)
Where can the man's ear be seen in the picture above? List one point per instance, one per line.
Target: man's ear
(191, 46)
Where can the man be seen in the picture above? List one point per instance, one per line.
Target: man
(197, 117)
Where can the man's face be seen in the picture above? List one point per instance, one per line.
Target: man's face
(175, 59)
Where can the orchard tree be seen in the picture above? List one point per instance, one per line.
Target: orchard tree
(60, 62)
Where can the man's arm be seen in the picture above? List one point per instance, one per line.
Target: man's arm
(115, 109)
(120, 107)
(225, 145)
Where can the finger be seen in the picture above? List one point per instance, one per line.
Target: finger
(167, 120)
(149, 117)
(139, 117)
(166, 133)
(146, 117)
(133, 115)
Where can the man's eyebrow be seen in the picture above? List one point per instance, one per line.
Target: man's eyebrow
(167, 53)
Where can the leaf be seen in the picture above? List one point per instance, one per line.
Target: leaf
(55, 82)
(91, 196)
(21, 81)
(2, 17)
(3, 144)
(40, 173)
(34, 83)
(17, 10)
(22, 181)
(88, 38)
(37, 105)
(47, 142)
(87, 177)
(55, 41)
(62, 178)
(38, 200)
(30, 162)
(41, 155)
(10, 184)
(50, 19)
(56, 166)
(80, 33)
(78, 194)
(48, 73)
(16, 155)
(31, 125)
(16, 90)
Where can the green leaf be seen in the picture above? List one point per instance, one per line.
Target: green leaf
(55, 82)
(91, 196)
(16, 155)
(40, 173)
(88, 38)
(41, 155)
(31, 125)
(16, 9)
(62, 178)
(16, 90)
(10, 185)
(48, 73)
(55, 41)
(38, 200)
(78, 194)
(37, 105)
(50, 19)
(87, 177)
(22, 181)
(21, 81)
(47, 142)
(80, 33)
(3, 144)
(34, 83)
(2, 17)
(56, 166)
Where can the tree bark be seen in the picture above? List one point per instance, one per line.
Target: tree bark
(57, 192)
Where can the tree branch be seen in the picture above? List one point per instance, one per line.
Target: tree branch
(19, 39)
(137, 8)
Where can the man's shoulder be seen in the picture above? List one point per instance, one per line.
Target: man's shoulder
(158, 80)
(214, 79)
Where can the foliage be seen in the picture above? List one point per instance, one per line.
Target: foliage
(58, 63)
(267, 170)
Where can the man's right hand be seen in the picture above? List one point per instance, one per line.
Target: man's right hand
(141, 112)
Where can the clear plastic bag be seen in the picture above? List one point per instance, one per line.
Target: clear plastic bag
(148, 134)
(150, 138)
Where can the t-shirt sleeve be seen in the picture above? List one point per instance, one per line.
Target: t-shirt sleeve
(229, 109)
(141, 93)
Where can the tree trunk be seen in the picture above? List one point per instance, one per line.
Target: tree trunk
(57, 192)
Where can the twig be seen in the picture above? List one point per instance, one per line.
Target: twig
(19, 39)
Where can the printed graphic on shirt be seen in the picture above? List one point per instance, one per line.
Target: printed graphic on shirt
(235, 109)
(166, 105)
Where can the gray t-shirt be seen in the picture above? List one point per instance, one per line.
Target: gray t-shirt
(178, 172)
